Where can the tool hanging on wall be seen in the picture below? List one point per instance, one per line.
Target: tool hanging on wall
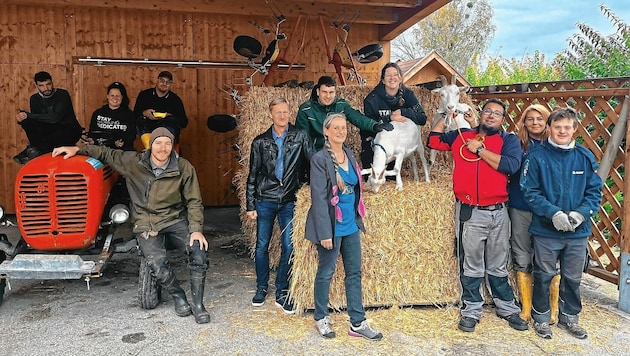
(233, 94)
(341, 56)
(251, 48)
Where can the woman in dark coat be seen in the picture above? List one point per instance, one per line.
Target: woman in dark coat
(334, 224)
(389, 101)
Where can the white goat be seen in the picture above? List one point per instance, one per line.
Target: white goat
(449, 98)
(397, 144)
(456, 120)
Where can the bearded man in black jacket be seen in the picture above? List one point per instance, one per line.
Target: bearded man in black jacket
(50, 123)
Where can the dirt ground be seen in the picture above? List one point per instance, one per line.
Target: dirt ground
(63, 317)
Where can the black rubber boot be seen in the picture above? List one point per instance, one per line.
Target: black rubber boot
(182, 308)
(197, 284)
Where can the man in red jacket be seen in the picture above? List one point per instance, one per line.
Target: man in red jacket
(483, 159)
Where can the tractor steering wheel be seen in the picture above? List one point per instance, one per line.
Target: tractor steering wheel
(102, 138)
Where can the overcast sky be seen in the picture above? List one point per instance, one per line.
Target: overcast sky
(545, 25)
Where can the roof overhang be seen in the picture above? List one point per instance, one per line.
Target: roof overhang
(392, 16)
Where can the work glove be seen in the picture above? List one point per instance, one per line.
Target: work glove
(561, 222)
(380, 126)
(576, 219)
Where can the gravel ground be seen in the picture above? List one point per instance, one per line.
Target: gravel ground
(63, 317)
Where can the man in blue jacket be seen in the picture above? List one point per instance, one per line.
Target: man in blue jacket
(559, 181)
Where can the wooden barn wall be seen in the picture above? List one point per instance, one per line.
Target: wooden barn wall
(35, 38)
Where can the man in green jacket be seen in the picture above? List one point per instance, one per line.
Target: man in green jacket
(323, 101)
(165, 205)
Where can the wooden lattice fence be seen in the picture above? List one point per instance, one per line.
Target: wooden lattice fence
(598, 103)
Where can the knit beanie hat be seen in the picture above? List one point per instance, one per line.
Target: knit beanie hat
(160, 132)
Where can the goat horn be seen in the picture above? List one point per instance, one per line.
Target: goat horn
(443, 80)
(454, 79)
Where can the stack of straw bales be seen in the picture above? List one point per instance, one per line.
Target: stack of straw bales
(408, 248)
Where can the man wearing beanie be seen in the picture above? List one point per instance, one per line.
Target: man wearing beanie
(165, 205)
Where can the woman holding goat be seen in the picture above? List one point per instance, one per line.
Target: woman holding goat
(389, 101)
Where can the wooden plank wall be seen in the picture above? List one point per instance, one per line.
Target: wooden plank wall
(35, 38)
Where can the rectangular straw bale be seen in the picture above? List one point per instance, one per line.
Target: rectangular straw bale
(407, 252)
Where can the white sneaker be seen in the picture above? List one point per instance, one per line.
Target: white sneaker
(365, 331)
(324, 328)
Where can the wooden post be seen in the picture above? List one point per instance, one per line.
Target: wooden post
(615, 141)
(624, 265)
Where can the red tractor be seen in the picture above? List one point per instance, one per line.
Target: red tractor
(60, 205)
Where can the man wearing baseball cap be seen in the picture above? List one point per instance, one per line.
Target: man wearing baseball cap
(160, 107)
(165, 205)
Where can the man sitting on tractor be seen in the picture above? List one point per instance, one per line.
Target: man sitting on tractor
(165, 205)
(51, 121)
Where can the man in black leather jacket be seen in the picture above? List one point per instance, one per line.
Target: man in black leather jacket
(279, 158)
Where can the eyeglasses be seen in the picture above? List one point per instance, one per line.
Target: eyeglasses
(165, 81)
(496, 114)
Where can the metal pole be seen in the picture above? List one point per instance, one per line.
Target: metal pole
(624, 266)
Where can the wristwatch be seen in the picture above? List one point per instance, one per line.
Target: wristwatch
(479, 149)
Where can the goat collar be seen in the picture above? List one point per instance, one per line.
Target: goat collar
(378, 145)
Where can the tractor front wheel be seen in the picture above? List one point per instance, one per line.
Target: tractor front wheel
(3, 282)
(149, 290)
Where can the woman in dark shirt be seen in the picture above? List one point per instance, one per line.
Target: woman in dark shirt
(114, 124)
(389, 101)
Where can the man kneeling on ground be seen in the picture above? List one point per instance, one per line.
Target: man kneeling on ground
(165, 205)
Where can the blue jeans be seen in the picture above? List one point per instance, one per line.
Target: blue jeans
(177, 235)
(350, 249)
(267, 212)
(571, 253)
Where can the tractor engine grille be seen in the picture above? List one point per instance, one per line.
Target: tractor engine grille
(53, 205)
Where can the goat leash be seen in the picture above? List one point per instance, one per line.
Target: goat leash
(453, 116)
(479, 137)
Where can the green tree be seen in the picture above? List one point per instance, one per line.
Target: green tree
(501, 70)
(591, 55)
(457, 31)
